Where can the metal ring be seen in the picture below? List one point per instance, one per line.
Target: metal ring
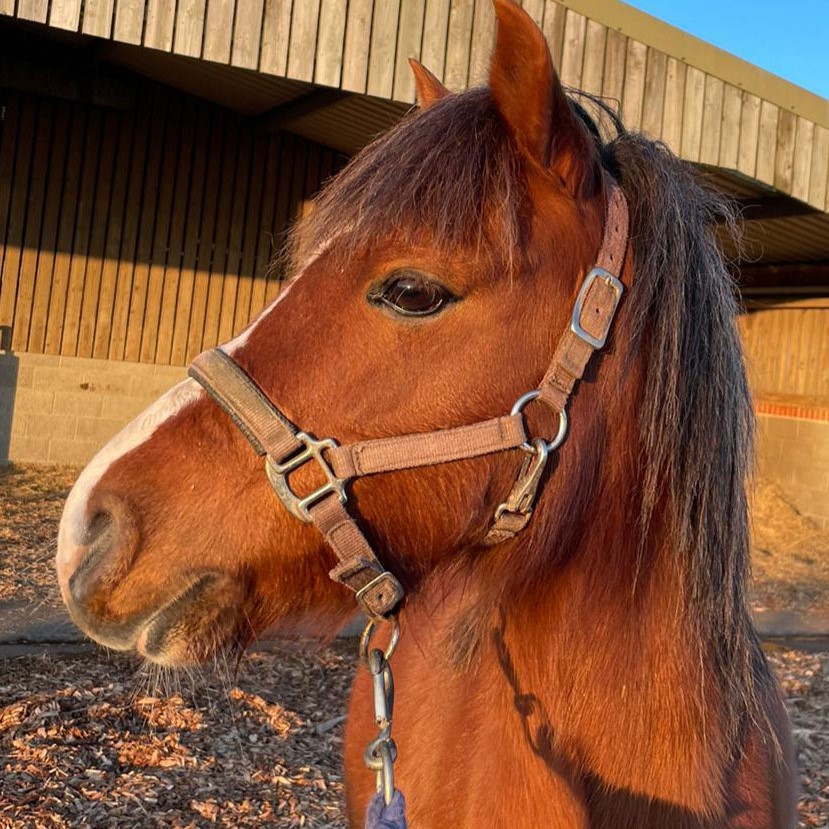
(519, 406)
(368, 630)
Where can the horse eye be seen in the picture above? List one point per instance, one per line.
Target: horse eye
(412, 294)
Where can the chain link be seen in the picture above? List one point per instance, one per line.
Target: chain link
(381, 753)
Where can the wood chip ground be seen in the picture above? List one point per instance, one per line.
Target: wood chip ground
(97, 740)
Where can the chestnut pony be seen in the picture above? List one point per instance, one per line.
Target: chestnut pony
(600, 669)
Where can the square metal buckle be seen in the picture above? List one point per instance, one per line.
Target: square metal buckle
(278, 476)
(575, 320)
(367, 595)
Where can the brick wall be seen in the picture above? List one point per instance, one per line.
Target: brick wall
(63, 409)
(793, 451)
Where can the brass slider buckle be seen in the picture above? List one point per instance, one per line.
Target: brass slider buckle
(521, 499)
(278, 476)
(575, 320)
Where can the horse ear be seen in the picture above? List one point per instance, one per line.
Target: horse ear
(427, 87)
(531, 99)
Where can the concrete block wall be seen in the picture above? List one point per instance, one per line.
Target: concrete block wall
(63, 409)
(793, 451)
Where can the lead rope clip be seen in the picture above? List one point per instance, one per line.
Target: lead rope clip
(381, 753)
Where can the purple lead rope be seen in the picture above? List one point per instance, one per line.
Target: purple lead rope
(393, 816)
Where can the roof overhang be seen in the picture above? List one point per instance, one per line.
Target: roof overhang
(763, 151)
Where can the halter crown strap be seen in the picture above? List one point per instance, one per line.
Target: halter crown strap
(594, 310)
(285, 448)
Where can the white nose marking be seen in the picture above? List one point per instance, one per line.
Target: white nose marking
(130, 437)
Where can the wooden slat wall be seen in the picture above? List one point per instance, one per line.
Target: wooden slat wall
(786, 349)
(142, 235)
(362, 46)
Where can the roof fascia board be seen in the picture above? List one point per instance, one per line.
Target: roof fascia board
(701, 55)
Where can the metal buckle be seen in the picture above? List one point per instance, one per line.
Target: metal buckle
(395, 591)
(575, 320)
(278, 476)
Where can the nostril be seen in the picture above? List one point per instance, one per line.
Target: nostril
(82, 581)
(97, 541)
(99, 537)
(103, 552)
(99, 526)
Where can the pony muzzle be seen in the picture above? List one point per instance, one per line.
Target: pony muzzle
(99, 542)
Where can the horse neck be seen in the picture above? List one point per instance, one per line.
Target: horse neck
(612, 685)
(597, 651)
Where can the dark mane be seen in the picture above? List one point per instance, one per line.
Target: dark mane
(453, 172)
(696, 422)
(450, 170)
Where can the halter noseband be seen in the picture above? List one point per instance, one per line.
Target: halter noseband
(286, 449)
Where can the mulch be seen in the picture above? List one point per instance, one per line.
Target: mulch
(98, 740)
(31, 502)
(94, 740)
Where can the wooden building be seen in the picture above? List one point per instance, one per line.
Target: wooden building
(153, 152)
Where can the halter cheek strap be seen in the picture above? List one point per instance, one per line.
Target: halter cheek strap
(590, 323)
(594, 309)
(286, 448)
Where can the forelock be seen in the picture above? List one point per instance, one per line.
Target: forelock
(448, 175)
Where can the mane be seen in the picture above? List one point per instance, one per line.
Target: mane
(450, 171)
(453, 172)
(696, 424)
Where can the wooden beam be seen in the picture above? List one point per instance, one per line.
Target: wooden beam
(96, 52)
(285, 114)
(758, 208)
(70, 84)
(769, 301)
(805, 278)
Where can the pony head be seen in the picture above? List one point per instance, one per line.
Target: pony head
(428, 287)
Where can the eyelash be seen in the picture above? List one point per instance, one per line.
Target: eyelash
(412, 285)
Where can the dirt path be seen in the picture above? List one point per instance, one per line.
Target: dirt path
(790, 556)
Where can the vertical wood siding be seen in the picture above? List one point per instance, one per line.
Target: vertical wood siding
(142, 235)
(787, 350)
(363, 46)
